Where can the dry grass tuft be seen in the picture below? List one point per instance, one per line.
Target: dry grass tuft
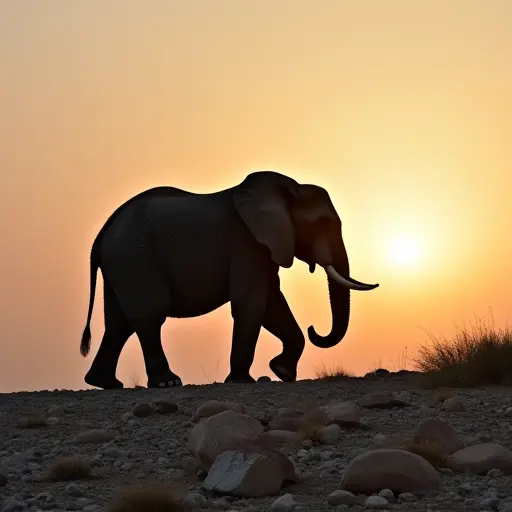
(312, 421)
(335, 373)
(149, 497)
(32, 421)
(66, 469)
(431, 451)
(478, 355)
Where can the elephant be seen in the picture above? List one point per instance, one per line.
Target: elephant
(171, 253)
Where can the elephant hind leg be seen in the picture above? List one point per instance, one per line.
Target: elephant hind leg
(118, 329)
(157, 367)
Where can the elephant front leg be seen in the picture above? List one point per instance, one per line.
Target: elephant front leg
(280, 322)
(248, 316)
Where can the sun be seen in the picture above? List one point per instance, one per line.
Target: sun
(405, 251)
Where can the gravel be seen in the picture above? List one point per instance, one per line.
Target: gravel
(140, 435)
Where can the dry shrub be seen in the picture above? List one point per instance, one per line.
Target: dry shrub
(66, 469)
(335, 373)
(433, 452)
(34, 420)
(312, 421)
(149, 497)
(478, 355)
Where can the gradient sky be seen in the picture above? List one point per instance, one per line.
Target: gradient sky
(402, 110)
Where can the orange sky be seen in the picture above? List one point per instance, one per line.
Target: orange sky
(402, 110)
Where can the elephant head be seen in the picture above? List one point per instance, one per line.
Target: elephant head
(299, 221)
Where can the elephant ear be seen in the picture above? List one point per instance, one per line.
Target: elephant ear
(262, 200)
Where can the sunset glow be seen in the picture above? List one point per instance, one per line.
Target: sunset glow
(405, 251)
(402, 110)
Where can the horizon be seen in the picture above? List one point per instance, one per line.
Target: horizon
(401, 111)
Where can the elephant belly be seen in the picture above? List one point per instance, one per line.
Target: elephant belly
(196, 291)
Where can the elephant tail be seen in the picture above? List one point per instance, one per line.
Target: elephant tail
(85, 345)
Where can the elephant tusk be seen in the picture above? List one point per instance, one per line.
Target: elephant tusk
(350, 283)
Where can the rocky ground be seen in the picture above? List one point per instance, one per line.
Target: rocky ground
(311, 445)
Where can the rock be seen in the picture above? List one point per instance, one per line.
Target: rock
(287, 419)
(440, 396)
(284, 503)
(94, 436)
(376, 503)
(55, 410)
(251, 474)
(142, 410)
(382, 441)
(440, 432)
(213, 407)
(378, 372)
(3, 480)
(508, 412)
(453, 404)
(74, 489)
(397, 470)
(344, 414)
(407, 497)
(195, 500)
(264, 378)
(330, 434)
(388, 494)
(224, 431)
(341, 497)
(382, 400)
(164, 407)
(481, 458)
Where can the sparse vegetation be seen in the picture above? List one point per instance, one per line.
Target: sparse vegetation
(209, 378)
(149, 497)
(335, 373)
(311, 423)
(34, 420)
(66, 469)
(477, 355)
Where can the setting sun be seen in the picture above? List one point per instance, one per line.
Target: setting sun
(404, 251)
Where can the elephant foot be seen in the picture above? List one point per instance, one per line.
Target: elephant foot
(283, 370)
(100, 381)
(240, 379)
(168, 380)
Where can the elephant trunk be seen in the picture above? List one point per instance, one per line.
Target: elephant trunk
(340, 283)
(339, 297)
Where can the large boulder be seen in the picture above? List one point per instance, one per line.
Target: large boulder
(481, 458)
(221, 432)
(439, 432)
(344, 414)
(250, 473)
(397, 470)
(383, 400)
